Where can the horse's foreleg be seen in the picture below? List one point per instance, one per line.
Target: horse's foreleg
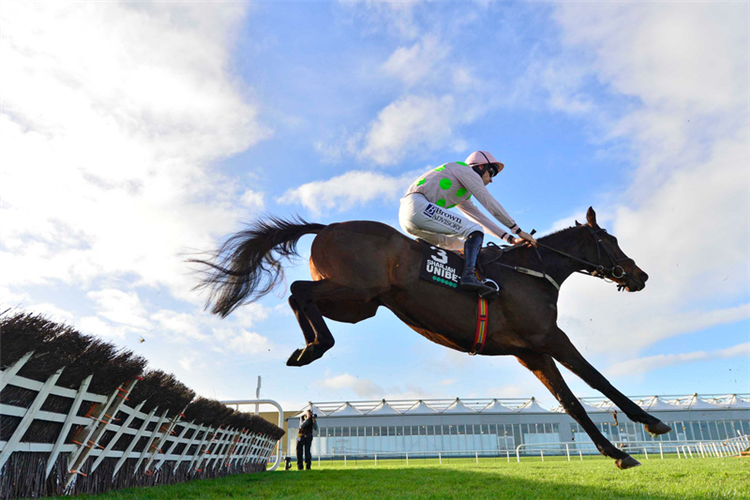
(303, 301)
(543, 366)
(565, 352)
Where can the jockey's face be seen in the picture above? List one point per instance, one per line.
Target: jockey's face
(487, 176)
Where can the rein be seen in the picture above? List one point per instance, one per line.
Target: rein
(614, 273)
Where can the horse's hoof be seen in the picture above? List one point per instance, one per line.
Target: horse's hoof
(627, 462)
(294, 358)
(658, 429)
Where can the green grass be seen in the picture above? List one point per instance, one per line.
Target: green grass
(672, 479)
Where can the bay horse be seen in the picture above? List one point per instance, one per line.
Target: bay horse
(358, 266)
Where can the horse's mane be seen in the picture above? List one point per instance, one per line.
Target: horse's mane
(544, 238)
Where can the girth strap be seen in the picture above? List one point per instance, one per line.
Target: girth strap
(481, 335)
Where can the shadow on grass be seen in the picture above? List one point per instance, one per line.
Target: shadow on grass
(544, 481)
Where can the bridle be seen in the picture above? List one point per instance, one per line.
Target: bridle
(611, 274)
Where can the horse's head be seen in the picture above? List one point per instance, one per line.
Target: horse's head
(611, 261)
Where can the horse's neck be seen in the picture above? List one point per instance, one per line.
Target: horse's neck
(555, 264)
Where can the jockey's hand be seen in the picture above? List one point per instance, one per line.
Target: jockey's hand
(524, 236)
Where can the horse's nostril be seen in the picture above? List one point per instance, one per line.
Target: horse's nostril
(645, 277)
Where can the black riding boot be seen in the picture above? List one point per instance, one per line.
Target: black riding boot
(469, 281)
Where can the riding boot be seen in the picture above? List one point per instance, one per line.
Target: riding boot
(469, 281)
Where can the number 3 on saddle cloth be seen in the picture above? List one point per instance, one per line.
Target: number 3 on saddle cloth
(443, 267)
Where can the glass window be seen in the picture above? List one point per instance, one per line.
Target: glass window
(368, 431)
(430, 430)
(461, 429)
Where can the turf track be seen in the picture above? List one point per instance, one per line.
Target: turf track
(671, 479)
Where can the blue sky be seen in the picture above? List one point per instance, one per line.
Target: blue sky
(136, 133)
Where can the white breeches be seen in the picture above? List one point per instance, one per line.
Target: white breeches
(439, 226)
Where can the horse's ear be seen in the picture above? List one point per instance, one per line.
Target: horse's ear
(591, 217)
(578, 224)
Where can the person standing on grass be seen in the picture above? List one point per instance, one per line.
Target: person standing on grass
(307, 425)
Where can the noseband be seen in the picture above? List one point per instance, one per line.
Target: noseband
(612, 274)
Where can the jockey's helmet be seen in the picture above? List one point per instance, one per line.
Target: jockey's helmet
(481, 161)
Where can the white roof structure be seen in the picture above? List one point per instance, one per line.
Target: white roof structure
(589, 408)
(696, 403)
(383, 409)
(420, 409)
(737, 403)
(346, 411)
(655, 403)
(458, 407)
(314, 409)
(497, 407)
(531, 406)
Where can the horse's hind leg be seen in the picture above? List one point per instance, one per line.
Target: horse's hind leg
(543, 366)
(566, 353)
(304, 302)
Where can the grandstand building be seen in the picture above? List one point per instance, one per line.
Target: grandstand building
(492, 426)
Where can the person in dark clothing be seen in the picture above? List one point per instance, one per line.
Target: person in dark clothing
(304, 438)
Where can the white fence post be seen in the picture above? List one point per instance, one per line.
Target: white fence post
(133, 442)
(28, 418)
(116, 437)
(67, 425)
(7, 375)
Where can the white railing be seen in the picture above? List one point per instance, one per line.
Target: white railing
(349, 455)
(683, 449)
(570, 450)
(257, 402)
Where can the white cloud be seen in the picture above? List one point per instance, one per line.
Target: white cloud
(414, 64)
(411, 124)
(363, 388)
(94, 325)
(123, 308)
(250, 314)
(108, 137)
(249, 343)
(253, 199)
(347, 191)
(396, 17)
(179, 326)
(643, 365)
(241, 341)
(686, 217)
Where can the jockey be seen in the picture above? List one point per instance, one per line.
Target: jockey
(424, 211)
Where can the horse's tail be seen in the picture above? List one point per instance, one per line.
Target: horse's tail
(247, 266)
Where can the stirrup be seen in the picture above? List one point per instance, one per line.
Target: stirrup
(471, 283)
